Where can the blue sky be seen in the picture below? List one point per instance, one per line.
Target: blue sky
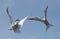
(31, 29)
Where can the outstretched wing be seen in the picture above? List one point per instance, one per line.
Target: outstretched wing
(11, 19)
(21, 22)
(45, 11)
(34, 18)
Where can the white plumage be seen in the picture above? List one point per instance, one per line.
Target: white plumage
(16, 24)
(42, 19)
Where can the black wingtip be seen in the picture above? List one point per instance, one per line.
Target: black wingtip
(7, 10)
(47, 7)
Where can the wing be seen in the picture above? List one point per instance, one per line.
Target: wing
(42, 18)
(22, 21)
(11, 19)
(45, 11)
(34, 18)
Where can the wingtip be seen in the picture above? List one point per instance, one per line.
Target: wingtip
(47, 6)
(7, 9)
(46, 29)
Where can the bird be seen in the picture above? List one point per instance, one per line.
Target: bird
(16, 24)
(42, 19)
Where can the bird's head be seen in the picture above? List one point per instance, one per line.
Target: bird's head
(17, 20)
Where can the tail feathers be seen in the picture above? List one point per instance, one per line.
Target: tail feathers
(48, 26)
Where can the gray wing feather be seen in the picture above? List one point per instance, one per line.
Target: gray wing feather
(34, 18)
(11, 19)
(45, 11)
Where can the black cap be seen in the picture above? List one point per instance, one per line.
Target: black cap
(17, 20)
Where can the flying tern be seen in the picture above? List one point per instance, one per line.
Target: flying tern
(42, 19)
(18, 24)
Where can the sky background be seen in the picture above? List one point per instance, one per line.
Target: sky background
(31, 29)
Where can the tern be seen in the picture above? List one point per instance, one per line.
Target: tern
(42, 19)
(18, 24)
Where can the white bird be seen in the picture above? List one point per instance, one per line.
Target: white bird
(18, 24)
(42, 19)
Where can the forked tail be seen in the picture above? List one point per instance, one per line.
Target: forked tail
(48, 26)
